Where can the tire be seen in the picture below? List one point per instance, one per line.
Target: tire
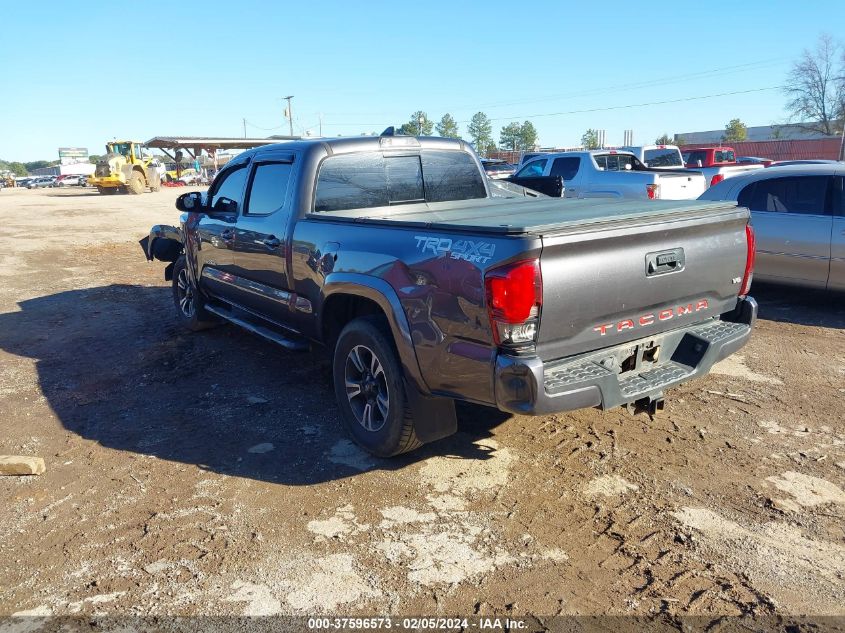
(136, 184)
(155, 186)
(377, 416)
(190, 311)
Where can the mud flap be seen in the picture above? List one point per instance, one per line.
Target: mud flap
(434, 417)
(168, 272)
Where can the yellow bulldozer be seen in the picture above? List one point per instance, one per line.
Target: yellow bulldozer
(126, 169)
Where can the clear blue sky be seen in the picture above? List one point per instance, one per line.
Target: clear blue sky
(77, 77)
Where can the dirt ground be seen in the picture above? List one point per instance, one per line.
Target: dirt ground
(208, 474)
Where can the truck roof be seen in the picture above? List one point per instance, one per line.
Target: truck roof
(348, 145)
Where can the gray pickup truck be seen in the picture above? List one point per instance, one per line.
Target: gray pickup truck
(427, 285)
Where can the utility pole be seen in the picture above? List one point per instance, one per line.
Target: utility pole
(321, 124)
(244, 128)
(290, 114)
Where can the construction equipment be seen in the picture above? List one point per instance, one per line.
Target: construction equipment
(126, 169)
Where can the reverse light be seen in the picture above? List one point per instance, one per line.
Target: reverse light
(751, 247)
(652, 191)
(514, 298)
(715, 180)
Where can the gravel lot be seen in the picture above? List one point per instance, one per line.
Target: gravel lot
(207, 473)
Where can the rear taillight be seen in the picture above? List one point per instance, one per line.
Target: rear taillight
(514, 298)
(715, 180)
(652, 191)
(750, 244)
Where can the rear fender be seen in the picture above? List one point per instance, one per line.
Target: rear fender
(434, 417)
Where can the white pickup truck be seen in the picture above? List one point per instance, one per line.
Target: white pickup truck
(657, 156)
(607, 174)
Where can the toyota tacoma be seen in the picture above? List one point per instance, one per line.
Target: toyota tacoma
(429, 285)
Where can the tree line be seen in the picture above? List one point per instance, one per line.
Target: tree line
(513, 136)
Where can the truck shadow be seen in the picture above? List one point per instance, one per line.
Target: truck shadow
(800, 306)
(116, 369)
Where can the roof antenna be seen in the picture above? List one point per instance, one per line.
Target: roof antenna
(391, 131)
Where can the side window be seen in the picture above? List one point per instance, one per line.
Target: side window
(746, 196)
(797, 194)
(269, 188)
(533, 169)
(404, 179)
(566, 167)
(839, 195)
(229, 190)
(451, 175)
(351, 181)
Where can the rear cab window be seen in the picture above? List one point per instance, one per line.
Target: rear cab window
(375, 179)
(662, 158)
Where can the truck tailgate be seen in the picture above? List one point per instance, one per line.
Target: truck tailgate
(681, 186)
(608, 283)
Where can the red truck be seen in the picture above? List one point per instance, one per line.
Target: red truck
(716, 163)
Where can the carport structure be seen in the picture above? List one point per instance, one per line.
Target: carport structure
(194, 145)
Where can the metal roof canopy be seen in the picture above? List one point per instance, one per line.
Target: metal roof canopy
(197, 143)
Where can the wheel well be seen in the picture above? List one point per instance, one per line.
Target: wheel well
(340, 309)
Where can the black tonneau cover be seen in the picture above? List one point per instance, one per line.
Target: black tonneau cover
(535, 216)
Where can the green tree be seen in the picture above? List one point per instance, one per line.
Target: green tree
(528, 135)
(490, 148)
(664, 139)
(448, 127)
(590, 139)
(481, 133)
(36, 164)
(815, 87)
(510, 137)
(735, 131)
(19, 169)
(418, 125)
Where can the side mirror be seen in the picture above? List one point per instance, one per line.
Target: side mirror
(190, 202)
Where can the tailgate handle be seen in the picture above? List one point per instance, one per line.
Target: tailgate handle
(662, 262)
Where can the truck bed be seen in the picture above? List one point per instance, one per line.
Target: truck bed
(529, 216)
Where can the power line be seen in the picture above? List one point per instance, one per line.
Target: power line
(631, 105)
(601, 109)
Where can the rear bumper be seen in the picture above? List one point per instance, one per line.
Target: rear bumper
(528, 386)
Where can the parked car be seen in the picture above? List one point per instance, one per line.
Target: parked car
(497, 169)
(716, 163)
(23, 182)
(657, 156)
(798, 213)
(606, 174)
(41, 182)
(71, 180)
(753, 160)
(392, 252)
(809, 161)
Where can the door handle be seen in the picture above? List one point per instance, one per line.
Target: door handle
(272, 242)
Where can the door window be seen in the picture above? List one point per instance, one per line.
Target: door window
(269, 188)
(533, 169)
(566, 167)
(798, 194)
(228, 193)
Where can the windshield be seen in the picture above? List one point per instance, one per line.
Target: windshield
(692, 158)
(663, 158)
(118, 148)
